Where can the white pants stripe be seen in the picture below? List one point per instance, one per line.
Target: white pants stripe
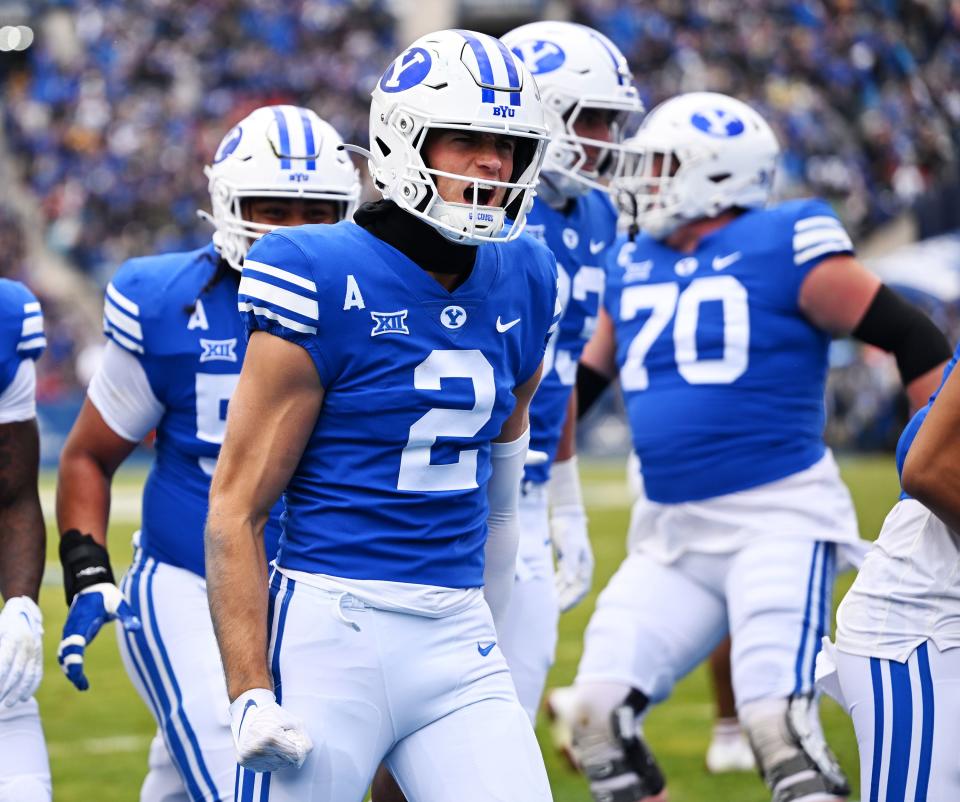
(252, 785)
(149, 662)
(819, 593)
(906, 719)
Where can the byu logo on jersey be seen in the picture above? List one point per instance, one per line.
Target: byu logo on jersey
(718, 122)
(389, 323)
(686, 266)
(218, 350)
(453, 317)
(540, 56)
(407, 71)
(570, 238)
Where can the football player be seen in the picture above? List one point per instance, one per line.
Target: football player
(588, 96)
(718, 315)
(172, 361)
(386, 388)
(24, 768)
(898, 628)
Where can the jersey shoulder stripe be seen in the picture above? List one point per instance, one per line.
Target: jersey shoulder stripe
(816, 231)
(32, 340)
(277, 284)
(146, 294)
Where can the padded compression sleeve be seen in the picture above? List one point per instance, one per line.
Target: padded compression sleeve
(897, 326)
(503, 524)
(590, 386)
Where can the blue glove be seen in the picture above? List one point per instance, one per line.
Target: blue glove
(91, 608)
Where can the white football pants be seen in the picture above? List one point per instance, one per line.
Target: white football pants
(528, 635)
(656, 622)
(907, 719)
(174, 664)
(431, 696)
(24, 768)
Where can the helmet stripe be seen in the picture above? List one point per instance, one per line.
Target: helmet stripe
(512, 75)
(484, 65)
(284, 139)
(308, 138)
(621, 79)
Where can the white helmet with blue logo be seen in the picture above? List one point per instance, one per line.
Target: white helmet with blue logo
(275, 152)
(464, 81)
(695, 156)
(577, 69)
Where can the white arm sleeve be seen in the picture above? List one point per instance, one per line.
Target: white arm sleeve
(19, 401)
(503, 525)
(121, 392)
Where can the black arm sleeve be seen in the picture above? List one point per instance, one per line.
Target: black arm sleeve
(85, 562)
(590, 386)
(897, 326)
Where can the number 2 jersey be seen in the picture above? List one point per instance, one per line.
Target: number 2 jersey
(579, 239)
(722, 374)
(189, 343)
(21, 343)
(417, 382)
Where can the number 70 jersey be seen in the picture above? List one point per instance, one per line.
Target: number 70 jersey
(417, 382)
(722, 374)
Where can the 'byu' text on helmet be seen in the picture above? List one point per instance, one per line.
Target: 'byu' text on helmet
(276, 152)
(576, 68)
(695, 156)
(465, 81)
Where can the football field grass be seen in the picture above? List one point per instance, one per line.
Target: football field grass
(98, 740)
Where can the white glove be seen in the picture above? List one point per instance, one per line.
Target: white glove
(21, 650)
(568, 530)
(267, 737)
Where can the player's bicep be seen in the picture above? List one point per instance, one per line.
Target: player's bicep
(600, 353)
(19, 462)
(519, 420)
(269, 421)
(836, 294)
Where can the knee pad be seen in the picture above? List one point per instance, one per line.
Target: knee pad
(25, 789)
(791, 751)
(609, 747)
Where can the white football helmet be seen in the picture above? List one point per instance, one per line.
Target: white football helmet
(464, 81)
(695, 156)
(576, 68)
(275, 152)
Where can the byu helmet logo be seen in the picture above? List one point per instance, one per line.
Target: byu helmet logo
(717, 122)
(540, 56)
(407, 71)
(453, 317)
(228, 145)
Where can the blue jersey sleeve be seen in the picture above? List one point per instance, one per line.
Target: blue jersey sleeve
(543, 286)
(817, 234)
(122, 315)
(279, 294)
(21, 329)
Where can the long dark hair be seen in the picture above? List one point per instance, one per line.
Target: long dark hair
(223, 269)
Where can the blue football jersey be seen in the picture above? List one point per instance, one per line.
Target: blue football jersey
(579, 239)
(722, 374)
(911, 429)
(21, 329)
(417, 380)
(192, 361)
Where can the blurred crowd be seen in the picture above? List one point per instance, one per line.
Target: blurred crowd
(119, 104)
(864, 94)
(113, 112)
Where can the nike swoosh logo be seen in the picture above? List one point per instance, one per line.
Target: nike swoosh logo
(596, 247)
(485, 650)
(250, 703)
(721, 262)
(502, 327)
